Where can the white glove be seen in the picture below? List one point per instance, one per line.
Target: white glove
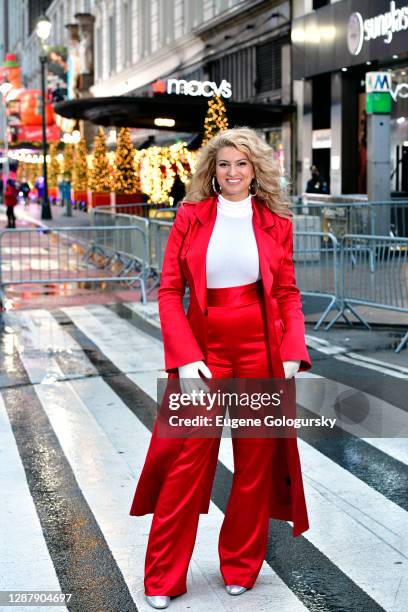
(191, 370)
(290, 368)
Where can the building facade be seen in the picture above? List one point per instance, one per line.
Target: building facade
(247, 43)
(334, 46)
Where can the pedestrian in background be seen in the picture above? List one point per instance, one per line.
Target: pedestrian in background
(232, 240)
(65, 194)
(40, 187)
(25, 190)
(178, 190)
(10, 200)
(316, 183)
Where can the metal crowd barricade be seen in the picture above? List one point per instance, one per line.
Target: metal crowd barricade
(386, 289)
(358, 217)
(315, 256)
(106, 216)
(155, 235)
(72, 254)
(138, 209)
(159, 233)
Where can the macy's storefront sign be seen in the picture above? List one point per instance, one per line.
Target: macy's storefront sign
(193, 88)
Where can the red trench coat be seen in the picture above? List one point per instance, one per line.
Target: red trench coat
(185, 340)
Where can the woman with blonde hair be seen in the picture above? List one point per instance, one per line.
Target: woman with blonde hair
(232, 243)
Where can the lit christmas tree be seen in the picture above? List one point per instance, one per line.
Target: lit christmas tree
(68, 165)
(33, 172)
(99, 178)
(125, 177)
(80, 173)
(21, 174)
(53, 167)
(216, 118)
(159, 167)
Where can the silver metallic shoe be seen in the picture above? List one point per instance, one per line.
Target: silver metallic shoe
(234, 589)
(158, 601)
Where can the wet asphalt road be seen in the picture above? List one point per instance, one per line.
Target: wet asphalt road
(77, 398)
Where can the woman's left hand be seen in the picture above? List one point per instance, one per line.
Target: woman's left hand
(290, 368)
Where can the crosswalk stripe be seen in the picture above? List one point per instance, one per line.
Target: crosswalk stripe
(42, 343)
(332, 573)
(132, 352)
(83, 563)
(25, 563)
(344, 354)
(320, 397)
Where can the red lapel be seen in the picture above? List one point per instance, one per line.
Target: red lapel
(268, 248)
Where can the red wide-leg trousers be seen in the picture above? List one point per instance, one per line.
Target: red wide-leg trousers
(236, 349)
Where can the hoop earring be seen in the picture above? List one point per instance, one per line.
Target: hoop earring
(213, 186)
(254, 180)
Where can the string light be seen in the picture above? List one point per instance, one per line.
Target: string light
(159, 167)
(126, 176)
(80, 170)
(53, 166)
(28, 158)
(100, 179)
(216, 118)
(154, 169)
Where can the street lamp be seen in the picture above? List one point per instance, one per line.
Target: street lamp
(43, 30)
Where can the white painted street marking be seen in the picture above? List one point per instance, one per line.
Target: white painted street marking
(39, 340)
(25, 562)
(343, 354)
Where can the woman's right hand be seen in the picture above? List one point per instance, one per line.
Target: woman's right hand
(189, 375)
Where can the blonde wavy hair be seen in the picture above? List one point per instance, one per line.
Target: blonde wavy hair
(259, 153)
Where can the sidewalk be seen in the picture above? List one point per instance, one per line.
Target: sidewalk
(31, 215)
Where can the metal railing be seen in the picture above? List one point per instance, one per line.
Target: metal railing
(155, 230)
(140, 209)
(387, 289)
(159, 233)
(316, 260)
(358, 217)
(65, 255)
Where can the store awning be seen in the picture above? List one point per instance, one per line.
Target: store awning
(187, 112)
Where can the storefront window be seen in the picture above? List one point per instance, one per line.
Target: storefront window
(399, 127)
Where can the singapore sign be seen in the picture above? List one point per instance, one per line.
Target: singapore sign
(384, 25)
(193, 88)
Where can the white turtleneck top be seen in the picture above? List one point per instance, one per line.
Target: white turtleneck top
(232, 255)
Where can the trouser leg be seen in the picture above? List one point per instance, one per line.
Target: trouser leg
(175, 521)
(244, 532)
(9, 216)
